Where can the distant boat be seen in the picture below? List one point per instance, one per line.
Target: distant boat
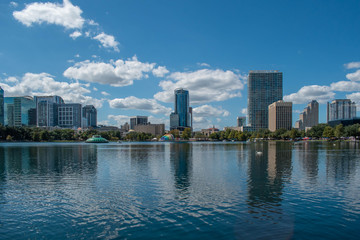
(96, 139)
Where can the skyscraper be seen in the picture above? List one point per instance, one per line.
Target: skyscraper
(264, 88)
(181, 118)
(138, 120)
(69, 115)
(46, 107)
(2, 112)
(309, 117)
(90, 116)
(280, 115)
(341, 109)
(17, 111)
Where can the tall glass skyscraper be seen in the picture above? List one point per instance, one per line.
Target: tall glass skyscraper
(2, 112)
(264, 88)
(181, 117)
(18, 111)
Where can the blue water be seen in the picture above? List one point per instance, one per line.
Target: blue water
(180, 191)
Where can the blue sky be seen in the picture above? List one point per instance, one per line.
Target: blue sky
(126, 57)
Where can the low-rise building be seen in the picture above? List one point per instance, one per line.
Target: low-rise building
(154, 129)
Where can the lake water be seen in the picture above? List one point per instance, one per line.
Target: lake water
(269, 190)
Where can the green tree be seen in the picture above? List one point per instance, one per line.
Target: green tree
(175, 133)
(294, 133)
(186, 133)
(317, 131)
(328, 132)
(339, 131)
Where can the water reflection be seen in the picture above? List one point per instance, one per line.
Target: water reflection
(181, 162)
(308, 155)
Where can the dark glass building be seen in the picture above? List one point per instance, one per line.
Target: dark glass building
(138, 120)
(46, 107)
(181, 118)
(264, 88)
(90, 116)
(17, 109)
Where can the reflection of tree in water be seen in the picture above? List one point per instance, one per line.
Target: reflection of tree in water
(308, 154)
(141, 154)
(51, 159)
(2, 176)
(181, 161)
(341, 160)
(268, 172)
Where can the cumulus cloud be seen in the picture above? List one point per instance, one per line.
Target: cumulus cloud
(119, 119)
(308, 93)
(345, 86)
(204, 85)
(107, 41)
(105, 93)
(75, 34)
(244, 111)
(209, 111)
(203, 65)
(160, 71)
(355, 97)
(66, 14)
(355, 76)
(352, 65)
(116, 73)
(44, 84)
(139, 104)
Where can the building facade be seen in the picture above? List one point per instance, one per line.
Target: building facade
(309, 117)
(46, 107)
(89, 115)
(154, 129)
(264, 88)
(240, 121)
(181, 118)
(138, 120)
(69, 115)
(19, 111)
(2, 110)
(341, 109)
(280, 115)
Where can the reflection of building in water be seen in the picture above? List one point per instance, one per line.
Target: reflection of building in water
(45, 159)
(181, 162)
(268, 172)
(341, 161)
(142, 153)
(308, 154)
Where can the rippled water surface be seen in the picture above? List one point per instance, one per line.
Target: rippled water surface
(269, 190)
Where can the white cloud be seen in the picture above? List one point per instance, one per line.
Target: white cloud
(92, 22)
(75, 35)
(203, 65)
(94, 56)
(11, 80)
(14, 4)
(139, 104)
(204, 85)
(308, 93)
(345, 86)
(66, 14)
(161, 71)
(44, 84)
(77, 55)
(107, 41)
(355, 97)
(118, 74)
(201, 123)
(244, 111)
(95, 89)
(105, 93)
(209, 111)
(355, 76)
(119, 119)
(352, 65)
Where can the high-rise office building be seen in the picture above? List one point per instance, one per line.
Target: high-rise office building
(240, 121)
(341, 109)
(264, 88)
(18, 111)
(2, 112)
(280, 115)
(46, 107)
(90, 116)
(181, 118)
(138, 120)
(69, 115)
(309, 117)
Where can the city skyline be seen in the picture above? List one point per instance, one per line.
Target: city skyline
(126, 58)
